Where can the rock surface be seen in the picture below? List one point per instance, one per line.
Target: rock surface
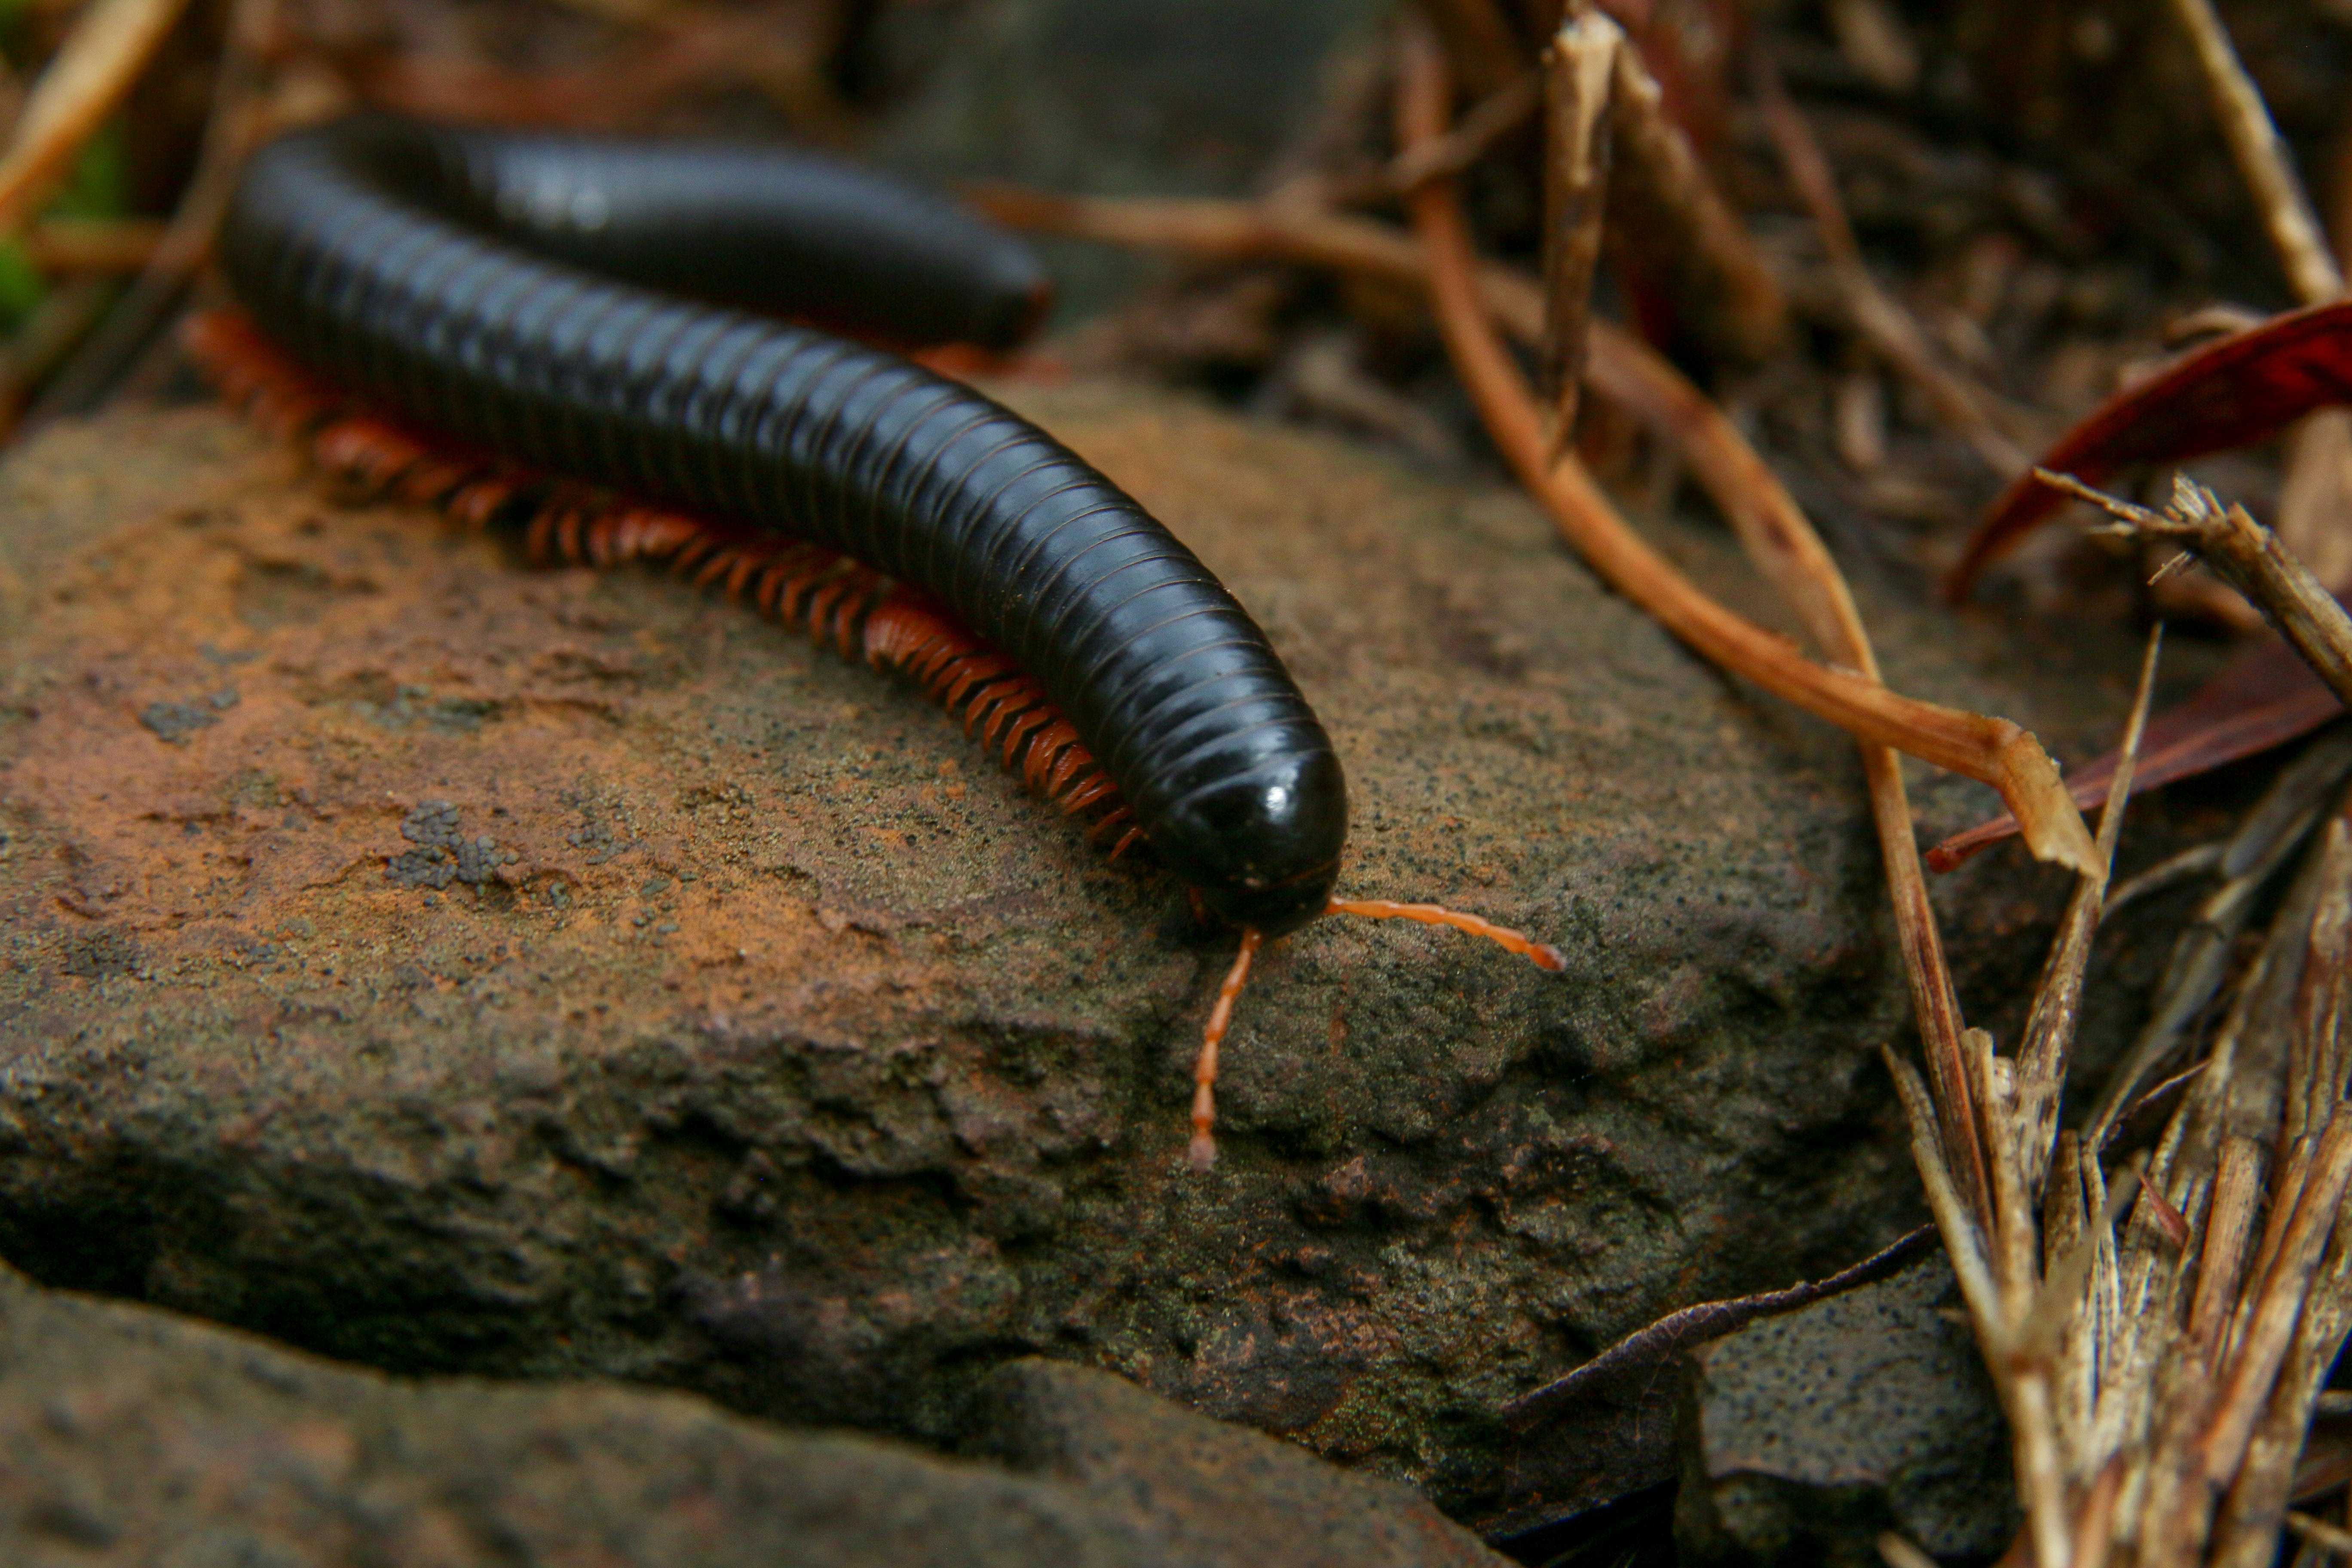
(449, 966)
(1805, 1437)
(132, 1436)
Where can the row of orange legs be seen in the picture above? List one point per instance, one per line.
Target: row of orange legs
(836, 599)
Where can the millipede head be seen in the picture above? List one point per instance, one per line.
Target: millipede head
(1262, 843)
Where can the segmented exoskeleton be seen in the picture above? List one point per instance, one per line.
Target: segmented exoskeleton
(608, 338)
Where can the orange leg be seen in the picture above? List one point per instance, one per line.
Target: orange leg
(802, 585)
(1203, 1152)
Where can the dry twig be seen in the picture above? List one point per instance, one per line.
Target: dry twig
(1472, 137)
(1577, 69)
(187, 239)
(2261, 156)
(1886, 324)
(110, 45)
(1690, 243)
(2316, 503)
(1776, 534)
(92, 245)
(1991, 750)
(2251, 559)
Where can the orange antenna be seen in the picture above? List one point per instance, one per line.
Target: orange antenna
(1203, 1152)
(1542, 954)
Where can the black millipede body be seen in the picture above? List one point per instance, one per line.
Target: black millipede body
(587, 307)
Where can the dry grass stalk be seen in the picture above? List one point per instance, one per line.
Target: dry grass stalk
(2316, 503)
(1968, 1162)
(1472, 137)
(2261, 156)
(1886, 325)
(2249, 558)
(2327, 1537)
(2246, 1532)
(92, 245)
(90, 73)
(1689, 241)
(1874, 40)
(2057, 1000)
(1308, 236)
(184, 242)
(1989, 750)
(2249, 861)
(2207, 1377)
(63, 319)
(1897, 1552)
(2039, 1253)
(1577, 69)
(2156, 1374)
(1971, 1164)
(1479, 42)
(2314, 515)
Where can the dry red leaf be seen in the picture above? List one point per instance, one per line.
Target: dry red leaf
(2233, 393)
(2266, 697)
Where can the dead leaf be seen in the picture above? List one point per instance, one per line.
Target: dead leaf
(2266, 697)
(2237, 391)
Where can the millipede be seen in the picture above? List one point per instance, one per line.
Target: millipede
(689, 353)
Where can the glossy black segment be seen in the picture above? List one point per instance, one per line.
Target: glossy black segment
(518, 291)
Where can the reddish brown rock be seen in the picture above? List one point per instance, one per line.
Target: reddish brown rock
(451, 966)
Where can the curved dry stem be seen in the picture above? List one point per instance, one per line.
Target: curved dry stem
(1990, 750)
(81, 86)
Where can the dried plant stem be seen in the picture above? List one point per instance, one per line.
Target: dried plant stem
(92, 245)
(1472, 137)
(1886, 324)
(1247, 231)
(2205, 1392)
(2245, 1535)
(2057, 1001)
(82, 381)
(2253, 1369)
(1576, 71)
(2318, 1059)
(2317, 494)
(2200, 958)
(1954, 1221)
(1969, 1159)
(2331, 1538)
(2251, 559)
(111, 43)
(1897, 1552)
(1990, 750)
(47, 338)
(2314, 512)
(1688, 240)
(2263, 157)
(1478, 40)
(2228, 1225)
